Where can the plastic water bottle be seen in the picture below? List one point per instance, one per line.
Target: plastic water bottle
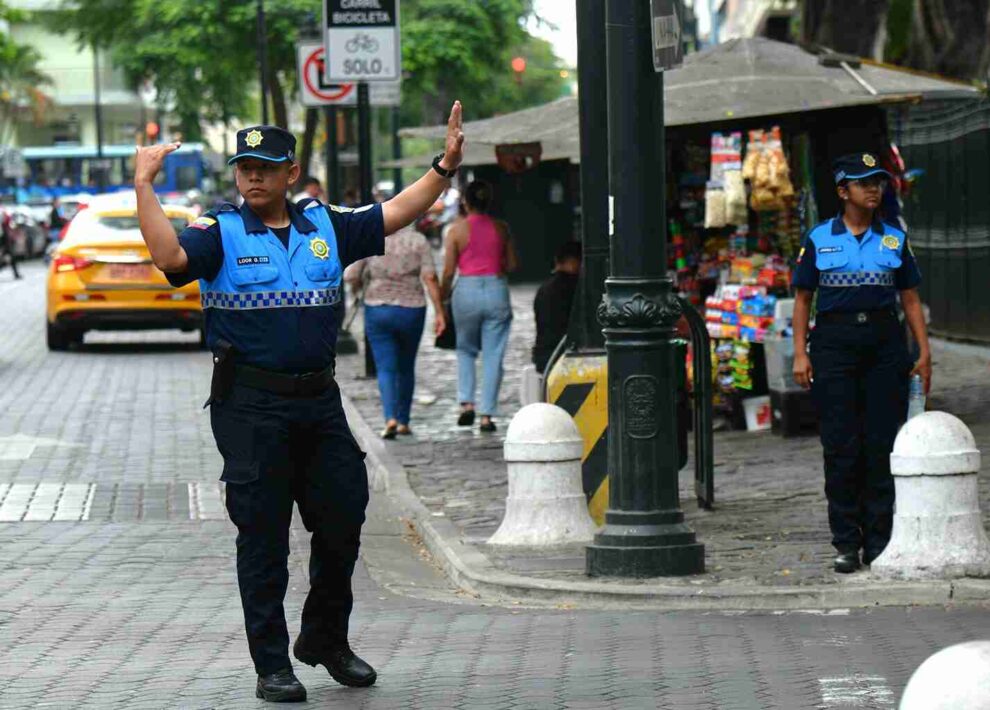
(916, 397)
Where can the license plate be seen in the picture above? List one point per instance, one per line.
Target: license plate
(129, 272)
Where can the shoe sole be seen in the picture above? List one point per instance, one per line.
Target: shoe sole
(282, 696)
(349, 681)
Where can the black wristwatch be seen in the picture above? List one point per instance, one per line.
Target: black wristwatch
(440, 171)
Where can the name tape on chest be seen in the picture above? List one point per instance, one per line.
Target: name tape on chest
(829, 250)
(246, 260)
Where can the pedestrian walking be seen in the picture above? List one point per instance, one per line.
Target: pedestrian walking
(270, 273)
(553, 302)
(311, 188)
(478, 250)
(394, 315)
(859, 367)
(7, 243)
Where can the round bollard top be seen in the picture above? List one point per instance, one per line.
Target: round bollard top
(955, 678)
(934, 444)
(543, 432)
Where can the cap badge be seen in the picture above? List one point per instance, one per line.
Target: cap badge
(253, 138)
(319, 248)
(891, 242)
(869, 161)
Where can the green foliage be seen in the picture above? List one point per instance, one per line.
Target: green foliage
(20, 78)
(202, 57)
(898, 31)
(463, 49)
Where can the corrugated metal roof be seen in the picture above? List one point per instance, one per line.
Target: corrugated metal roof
(742, 78)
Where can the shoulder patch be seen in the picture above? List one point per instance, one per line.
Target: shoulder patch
(891, 242)
(341, 210)
(203, 222)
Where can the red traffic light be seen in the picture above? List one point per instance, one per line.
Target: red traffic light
(518, 65)
(151, 129)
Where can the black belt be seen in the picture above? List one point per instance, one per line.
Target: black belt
(857, 318)
(305, 384)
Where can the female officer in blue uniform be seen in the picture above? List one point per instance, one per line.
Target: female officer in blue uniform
(270, 275)
(859, 365)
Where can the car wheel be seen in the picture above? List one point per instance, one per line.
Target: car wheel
(57, 338)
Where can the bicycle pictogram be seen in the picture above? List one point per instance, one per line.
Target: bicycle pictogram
(361, 43)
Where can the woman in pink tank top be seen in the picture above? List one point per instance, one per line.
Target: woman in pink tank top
(479, 250)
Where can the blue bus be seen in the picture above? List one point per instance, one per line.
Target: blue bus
(53, 171)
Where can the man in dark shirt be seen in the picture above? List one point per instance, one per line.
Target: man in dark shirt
(552, 304)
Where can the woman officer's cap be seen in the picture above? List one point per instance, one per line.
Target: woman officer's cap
(265, 143)
(856, 166)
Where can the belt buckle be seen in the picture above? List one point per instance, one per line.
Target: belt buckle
(862, 318)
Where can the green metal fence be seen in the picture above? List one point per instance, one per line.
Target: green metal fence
(948, 210)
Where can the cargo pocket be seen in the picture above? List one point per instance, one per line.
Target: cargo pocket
(235, 439)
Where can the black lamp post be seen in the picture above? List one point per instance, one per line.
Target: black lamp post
(644, 533)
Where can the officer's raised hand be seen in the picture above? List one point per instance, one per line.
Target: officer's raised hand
(417, 198)
(148, 161)
(156, 229)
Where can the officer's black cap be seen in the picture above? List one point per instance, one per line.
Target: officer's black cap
(856, 166)
(265, 143)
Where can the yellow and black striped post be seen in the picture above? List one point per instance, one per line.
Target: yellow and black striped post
(578, 384)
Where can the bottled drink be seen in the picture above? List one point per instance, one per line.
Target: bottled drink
(916, 397)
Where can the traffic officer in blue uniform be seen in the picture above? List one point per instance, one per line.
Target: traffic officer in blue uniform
(270, 275)
(859, 365)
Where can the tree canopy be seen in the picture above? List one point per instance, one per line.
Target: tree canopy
(201, 57)
(21, 80)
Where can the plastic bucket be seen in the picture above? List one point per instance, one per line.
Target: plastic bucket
(759, 415)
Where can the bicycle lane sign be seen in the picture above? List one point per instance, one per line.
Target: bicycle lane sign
(362, 39)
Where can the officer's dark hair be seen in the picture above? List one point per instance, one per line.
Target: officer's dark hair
(479, 196)
(310, 180)
(568, 250)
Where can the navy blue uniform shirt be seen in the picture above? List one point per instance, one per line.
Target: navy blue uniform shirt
(867, 272)
(310, 332)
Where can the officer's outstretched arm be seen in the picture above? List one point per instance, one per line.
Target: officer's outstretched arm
(418, 197)
(156, 229)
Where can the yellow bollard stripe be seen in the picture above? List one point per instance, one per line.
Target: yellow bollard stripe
(579, 385)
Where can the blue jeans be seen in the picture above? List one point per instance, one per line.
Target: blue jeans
(482, 316)
(394, 333)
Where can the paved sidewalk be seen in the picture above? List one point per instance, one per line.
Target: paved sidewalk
(767, 541)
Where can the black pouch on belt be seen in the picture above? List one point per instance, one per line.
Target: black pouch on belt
(223, 372)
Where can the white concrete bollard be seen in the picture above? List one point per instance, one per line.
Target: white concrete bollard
(546, 503)
(938, 532)
(955, 678)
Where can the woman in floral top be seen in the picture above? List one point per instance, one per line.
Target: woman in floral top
(394, 314)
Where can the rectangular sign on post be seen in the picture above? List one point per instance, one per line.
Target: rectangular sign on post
(314, 90)
(362, 40)
(665, 27)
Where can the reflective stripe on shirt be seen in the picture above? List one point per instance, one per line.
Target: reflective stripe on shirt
(269, 299)
(856, 278)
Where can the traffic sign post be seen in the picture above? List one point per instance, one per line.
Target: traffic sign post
(362, 40)
(665, 30)
(314, 90)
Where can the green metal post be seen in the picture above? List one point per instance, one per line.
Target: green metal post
(644, 534)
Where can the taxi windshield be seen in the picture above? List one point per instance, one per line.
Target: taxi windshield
(130, 222)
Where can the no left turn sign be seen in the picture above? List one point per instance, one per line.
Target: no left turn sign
(314, 91)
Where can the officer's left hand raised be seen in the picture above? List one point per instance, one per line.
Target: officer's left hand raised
(452, 155)
(148, 161)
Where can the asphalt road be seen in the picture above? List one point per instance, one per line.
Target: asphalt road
(117, 585)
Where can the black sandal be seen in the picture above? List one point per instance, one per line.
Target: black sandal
(487, 426)
(466, 417)
(389, 432)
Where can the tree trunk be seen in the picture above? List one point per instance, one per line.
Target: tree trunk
(306, 152)
(950, 37)
(278, 101)
(849, 27)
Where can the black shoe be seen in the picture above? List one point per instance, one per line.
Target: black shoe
(281, 687)
(389, 432)
(466, 418)
(846, 562)
(343, 666)
(487, 426)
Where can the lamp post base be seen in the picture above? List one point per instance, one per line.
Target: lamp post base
(644, 549)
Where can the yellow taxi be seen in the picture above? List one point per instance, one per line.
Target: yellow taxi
(101, 277)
